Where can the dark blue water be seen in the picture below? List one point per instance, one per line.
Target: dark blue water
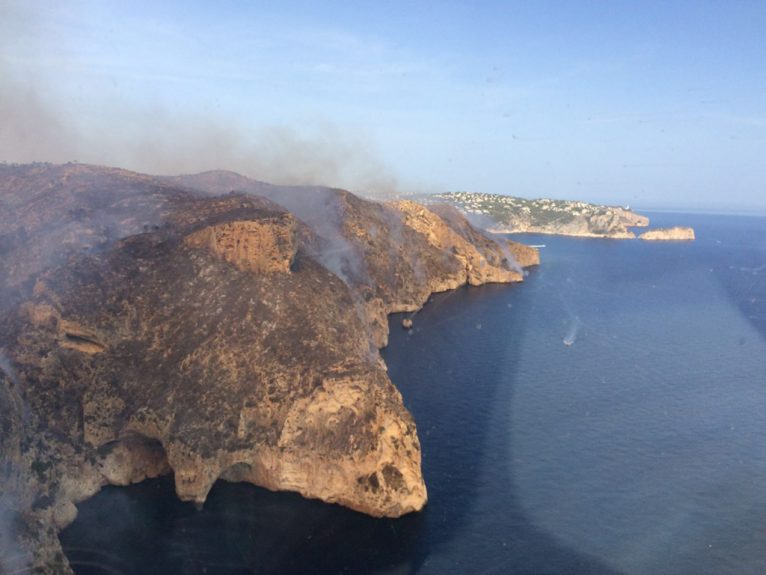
(638, 448)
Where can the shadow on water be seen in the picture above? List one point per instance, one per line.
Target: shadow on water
(455, 371)
(242, 529)
(744, 279)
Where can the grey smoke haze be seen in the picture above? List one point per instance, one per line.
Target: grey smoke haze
(13, 558)
(13, 413)
(37, 124)
(481, 222)
(5, 367)
(323, 212)
(160, 142)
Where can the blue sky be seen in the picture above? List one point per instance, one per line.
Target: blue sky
(655, 104)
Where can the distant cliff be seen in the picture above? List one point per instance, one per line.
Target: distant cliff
(508, 214)
(677, 233)
(160, 325)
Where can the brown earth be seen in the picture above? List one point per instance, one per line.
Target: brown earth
(154, 326)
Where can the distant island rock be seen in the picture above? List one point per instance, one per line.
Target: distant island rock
(210, 326)
(677, 233)
(509, 214)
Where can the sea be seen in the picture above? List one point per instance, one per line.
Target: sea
(607, 415)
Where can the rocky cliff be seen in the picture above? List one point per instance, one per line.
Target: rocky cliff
(159, 327)
(677, 233)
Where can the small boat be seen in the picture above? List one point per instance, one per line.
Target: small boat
(537, 246)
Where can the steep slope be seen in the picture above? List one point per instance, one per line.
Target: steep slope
(231, 339)
(48, 213)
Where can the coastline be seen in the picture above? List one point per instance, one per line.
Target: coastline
(629, 236)
(334, 428)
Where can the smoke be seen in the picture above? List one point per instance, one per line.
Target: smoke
(29, 126)
(15, 390)
(13, 415)
(509, 258)
(5, 367)
(13, 558)
(482, 223)
(323, 210)
(38, 123)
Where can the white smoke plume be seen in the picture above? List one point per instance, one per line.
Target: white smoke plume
(13, 413)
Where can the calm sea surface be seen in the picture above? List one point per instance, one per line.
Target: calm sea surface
(638, 448)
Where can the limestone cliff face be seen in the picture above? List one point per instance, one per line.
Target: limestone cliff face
(632, 219)
(480, 265)
(677, 233)
(612, 223)
(234, 340)
(380, 249)
(518, 255)
(259, 246)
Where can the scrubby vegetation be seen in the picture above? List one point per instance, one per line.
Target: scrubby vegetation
(507, 209)
(513, 214)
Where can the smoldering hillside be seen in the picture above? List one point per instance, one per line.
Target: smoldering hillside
(97, 261)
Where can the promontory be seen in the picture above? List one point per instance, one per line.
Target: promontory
(510, 214)
(211, 327)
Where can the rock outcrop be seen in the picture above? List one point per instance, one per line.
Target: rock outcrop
(263, 245)
(614, 223)
(480, 257)
(677, 233)
(211, 337)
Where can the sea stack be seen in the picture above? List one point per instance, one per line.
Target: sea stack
(677, 233)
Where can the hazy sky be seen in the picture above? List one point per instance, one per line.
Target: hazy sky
(656, 104)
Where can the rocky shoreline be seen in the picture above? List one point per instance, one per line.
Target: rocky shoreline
(509, 214)
(210, 326)
(627, 235)
(512, 215)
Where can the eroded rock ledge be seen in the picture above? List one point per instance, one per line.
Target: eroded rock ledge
(232, 339)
